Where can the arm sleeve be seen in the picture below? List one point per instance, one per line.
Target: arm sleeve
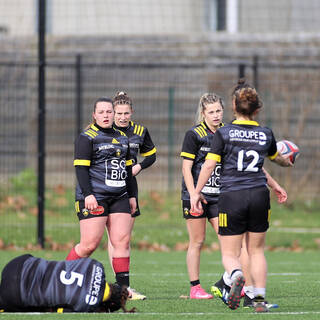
(190, 146)
(82, 173)
(82, 161)
(217, 146)
(148, 161)
(129, 178)
(273, 147)
(148, 151)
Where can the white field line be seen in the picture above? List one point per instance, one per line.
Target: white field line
(294, 230)
(181, 274)
(174, 314)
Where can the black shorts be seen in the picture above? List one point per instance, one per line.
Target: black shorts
(10, 297)
(210, 210)
(244, 210)
(135, 186)
(106, 207)
(137, 212)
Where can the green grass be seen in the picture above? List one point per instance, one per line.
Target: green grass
(160, 226)
(159, 270)
(293, 283)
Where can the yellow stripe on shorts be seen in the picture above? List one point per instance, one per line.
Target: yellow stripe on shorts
(269, 215)
(76, 206)
(223, 220)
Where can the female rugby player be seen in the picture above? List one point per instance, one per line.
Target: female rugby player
(30, 284)
(196, 145)
(140, 142)
(244, 201)
(105, 189)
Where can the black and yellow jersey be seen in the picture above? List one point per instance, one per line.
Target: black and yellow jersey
(139, 141)
(41, 285)
(241, 148)
(196, 145)
(106, 153)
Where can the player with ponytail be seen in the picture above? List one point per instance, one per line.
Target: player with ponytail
(244, 201)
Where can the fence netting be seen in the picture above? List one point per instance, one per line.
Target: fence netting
(165, 55)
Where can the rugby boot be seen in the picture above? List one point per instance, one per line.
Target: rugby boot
(235, 293)
(260, 305)
(135, 295)
(221, 290)
(196, 292)
(247, 302)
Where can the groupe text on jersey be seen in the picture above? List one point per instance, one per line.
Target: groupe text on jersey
(241, 148)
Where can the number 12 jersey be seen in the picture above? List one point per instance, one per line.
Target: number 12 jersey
(241, 148)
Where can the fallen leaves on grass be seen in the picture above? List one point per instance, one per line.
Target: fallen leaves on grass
(317, 241)
(156, 197)
(2, 245)
(50, 244)
(181, 246)
(60, 202)
(15, 202)
(164, 216)
(295, 247)
(60, 189)
(152, 247)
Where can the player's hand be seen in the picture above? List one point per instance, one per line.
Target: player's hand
(195, 204)
(286, 160)
(90, 202)
(280, 193)
(203, 199)
(133, 205)
(136, 169)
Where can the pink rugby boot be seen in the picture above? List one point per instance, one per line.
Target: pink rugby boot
(196, 292)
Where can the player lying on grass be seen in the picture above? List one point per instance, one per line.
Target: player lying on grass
(30, 284)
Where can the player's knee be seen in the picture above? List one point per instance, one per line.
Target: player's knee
(85, 250)
(197, 243)
(122, 243)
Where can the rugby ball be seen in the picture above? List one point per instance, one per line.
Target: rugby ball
(285, 146)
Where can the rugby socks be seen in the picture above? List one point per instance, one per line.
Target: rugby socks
(194, 283)
(121, 269)
(227, 279)
(73, 255)
(248, 290)
(259, 292)
(235, 274)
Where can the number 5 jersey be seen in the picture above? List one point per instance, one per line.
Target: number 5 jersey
(34, 284)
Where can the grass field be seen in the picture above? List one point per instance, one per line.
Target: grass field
(293, 283)
(160, 226)
(158, 269)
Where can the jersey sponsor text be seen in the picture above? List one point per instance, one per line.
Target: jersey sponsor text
(248, 136)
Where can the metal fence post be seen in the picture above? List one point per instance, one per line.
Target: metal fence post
(41, 118)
